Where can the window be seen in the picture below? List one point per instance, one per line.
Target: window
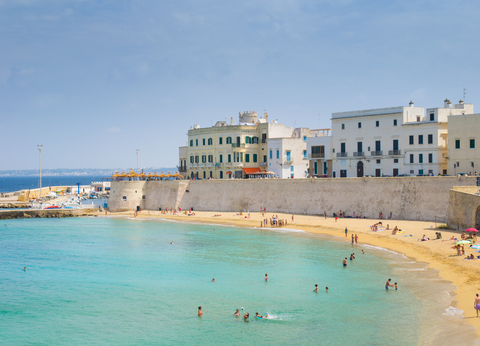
(378, 146)
(248, 140)
(264, 158)
(394, 122)
(304, 138)
(229, 157)
(410, 140)
(412, 171)
(430, 171)
(211, 175)
(229, 140)
(304, 154)
(420, 139)
(395, 172)
(378, 161)
(432, 116)
(472, 143)
(196, 142)
(430, 158)
(343, 126)
(420, 171)
(254, 157)
(288, 154)
(247, 157)
(457, 144)
(220, 140)
(204, 174)
(210, 141)
(430, 139)
(264, 138)
(292, 168)
(420, 158)
(377, 123)
(124, 198)
(395, 160)
(343, 147)
(238, 141)
(203, 141)
(359, 125)
(191, 142)
(412, 160)
(292, 176)
(204, 158)
(254, 140)
(395, 144)
(196, 158)
(271, 154)
(221, 174)
(210, 158)
(192, 159)
(278, 154)
(220, 158)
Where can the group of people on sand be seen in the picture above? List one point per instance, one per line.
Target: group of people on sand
(274, 221)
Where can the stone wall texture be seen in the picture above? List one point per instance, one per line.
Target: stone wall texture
(408, 198)
(463, 207)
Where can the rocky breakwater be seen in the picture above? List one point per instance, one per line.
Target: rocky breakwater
(36, 213)
(14, 205)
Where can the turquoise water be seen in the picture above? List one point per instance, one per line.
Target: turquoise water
(100, 281)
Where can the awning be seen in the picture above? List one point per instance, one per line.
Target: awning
(249, 171)
(228, 172)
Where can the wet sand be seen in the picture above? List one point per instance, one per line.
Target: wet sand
(438, 254)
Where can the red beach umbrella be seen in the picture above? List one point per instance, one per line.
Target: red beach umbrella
(471, 230)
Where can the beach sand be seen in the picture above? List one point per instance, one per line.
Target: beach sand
(438, 254)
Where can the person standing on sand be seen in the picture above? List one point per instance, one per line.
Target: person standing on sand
(356, 239)
(325, 213)
(346, 231)
(476, 304)
(353, 239)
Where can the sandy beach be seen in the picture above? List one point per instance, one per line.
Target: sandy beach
(438, 254)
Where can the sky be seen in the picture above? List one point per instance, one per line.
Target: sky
(92, 81)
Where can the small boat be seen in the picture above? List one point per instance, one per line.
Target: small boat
(52, 207)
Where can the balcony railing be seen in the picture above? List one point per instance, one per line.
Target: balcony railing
(342, 154)
(263, 164)
(182, 169)
(376, 153)
(317, 155)
(240, 145)
(289, 162)
(394, 152)
(358, 153)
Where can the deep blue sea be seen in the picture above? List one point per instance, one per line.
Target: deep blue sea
(112, 281)
(10, 184)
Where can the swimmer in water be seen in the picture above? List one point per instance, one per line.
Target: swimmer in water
(326, 289)
(246, 316)
(388, 284)
(200, 312)
(24, 269)
(260, 317)
(237, 313)
(396, 287)
(213, 280)
(316, 288)
(266, 277)
(171, 242)
(363, 251)
(345, 262)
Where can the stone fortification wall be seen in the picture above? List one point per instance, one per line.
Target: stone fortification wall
(463, 207)
(415, 198)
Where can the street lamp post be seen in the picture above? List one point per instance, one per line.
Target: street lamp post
(40, 147)
(138, 150)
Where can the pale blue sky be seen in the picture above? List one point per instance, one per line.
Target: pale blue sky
(94, 80)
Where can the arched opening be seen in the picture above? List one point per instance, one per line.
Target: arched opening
(360, 169)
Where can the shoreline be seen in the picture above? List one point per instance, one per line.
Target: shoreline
(436, 254)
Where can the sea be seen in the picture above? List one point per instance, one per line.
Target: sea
(17, 183)
(118, 281)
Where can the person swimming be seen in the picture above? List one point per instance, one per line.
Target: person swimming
(316, 288)
(388, 284)
(236, 313)
(266, 277)
(213, 280)
(259, 316)
(326, 289)
(246, 316)
(200, 312)
(24, 269)
(345, 262)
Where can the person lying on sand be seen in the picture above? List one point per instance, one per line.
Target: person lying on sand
(216, 215)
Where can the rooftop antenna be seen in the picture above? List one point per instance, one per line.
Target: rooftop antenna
(464, 92)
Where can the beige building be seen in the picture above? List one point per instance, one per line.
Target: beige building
(463, 148)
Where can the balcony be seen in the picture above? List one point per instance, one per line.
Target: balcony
(240, 145)
(263, 164)
(219, 164)
(290, 162)
(342, 154)
(182, 169)
(394, 152)
(358, 154)
(376, 153)
(317, 155)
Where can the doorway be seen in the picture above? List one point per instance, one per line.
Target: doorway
(360, 169)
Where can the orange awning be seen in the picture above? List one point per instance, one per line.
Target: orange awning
(252, 171)
(228, 172)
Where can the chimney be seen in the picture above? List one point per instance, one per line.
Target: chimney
(447, 103)
(265, 116)
(231, 121)
(460, 102)
(411, 104)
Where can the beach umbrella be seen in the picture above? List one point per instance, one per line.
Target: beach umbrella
(471, 230)
(476, 246)
(461, 242)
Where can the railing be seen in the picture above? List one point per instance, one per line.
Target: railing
(290, 162)
(394, 152)
(219, 164)
(235, 145)
(317, 155)
(264, 140)
(182, 169)
(376, 153)
(263, 164)
(358, 153)
(342, 154)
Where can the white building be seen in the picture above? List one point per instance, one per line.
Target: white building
(319, 151)
(463, 151)
(392, 141)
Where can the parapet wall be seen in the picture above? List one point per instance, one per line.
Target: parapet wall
(408, 198)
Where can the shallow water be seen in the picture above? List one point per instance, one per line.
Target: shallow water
(116, 281)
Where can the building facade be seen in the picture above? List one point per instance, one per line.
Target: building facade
(319, 151)
(463, 150)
